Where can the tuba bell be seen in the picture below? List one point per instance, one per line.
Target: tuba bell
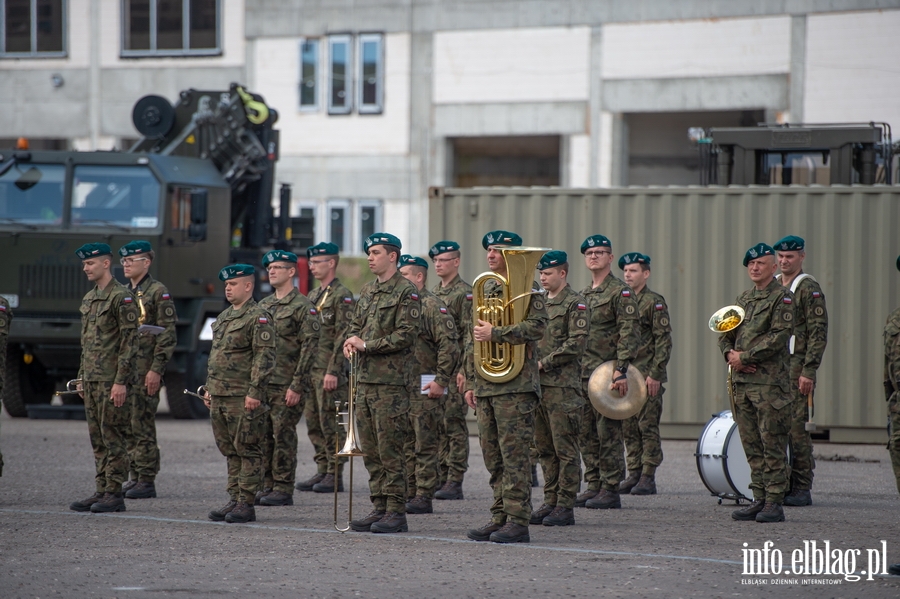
(722, 321)
(501, 362)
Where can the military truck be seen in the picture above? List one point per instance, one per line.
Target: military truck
(197, 185)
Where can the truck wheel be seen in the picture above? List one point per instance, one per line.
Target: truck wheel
(25, 384)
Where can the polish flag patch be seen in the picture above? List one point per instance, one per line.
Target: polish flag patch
(787, 300)
(414, 296)
(348, 300)
(166, 296)
(816, 294)
(581, 306)
(2, 308)
(127, 300)
(626, 293)
(263, 320)
(660, 307)
(312, 311)
(468, 297)
(443, 310)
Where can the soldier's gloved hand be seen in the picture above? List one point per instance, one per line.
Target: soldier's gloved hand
(291, 398)
(329, 383)
(251, 403)
(151, 381)
(470, 399)
(118, 395)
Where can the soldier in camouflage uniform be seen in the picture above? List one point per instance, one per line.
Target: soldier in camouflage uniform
(334, 304)
(109, 320)
(383, 335)
(807, 347)
(5, 320)
(241, 362)
(436, 354)
(506, 410)
(457, 295)
(757, 353)
(892, 395)
(296, 344)
(613, 335)
(156, 309)
(557, 420)
(641, 431)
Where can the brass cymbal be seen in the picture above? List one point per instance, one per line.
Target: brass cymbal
(608, 402)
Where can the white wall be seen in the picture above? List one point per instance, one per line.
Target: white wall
(276, 74)
(707, 48)
(511, 65)
(78, 32)
(852, 73)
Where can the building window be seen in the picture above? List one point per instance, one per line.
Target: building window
(370, 73)
(309, 75)
(369, 219)
(32, 28)
(339, 75)
(338, 225)
(171, 27)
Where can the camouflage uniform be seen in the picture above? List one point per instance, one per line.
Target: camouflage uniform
(557, 420)
(154, 352)
(109, 320)
(387, 319)
(762, 399)
(335, 305)
(613, 335)
(296, 343)
(5, 321)
(240, 364)
(506, 412)
(810, 337)
(641, 431)
(454, 442)
(436, 352)
(892, 387)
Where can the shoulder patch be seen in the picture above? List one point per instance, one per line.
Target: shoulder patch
(660, 307)
(2, 308)
(626, 293)
(443, 310)
(468, 297)
(348, 300)
(414, 296)
(127, 300)
(816, 294)
(581, 306)
(312, 311)
(263, 320)
(166, 296)
(787, 300)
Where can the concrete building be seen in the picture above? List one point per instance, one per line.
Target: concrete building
(380, 99)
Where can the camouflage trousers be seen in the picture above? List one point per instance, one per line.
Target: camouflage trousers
(763, 416)
(107, 426)
(506, 432)
(313, 415)
(454, 442)
(894, 442)
(280, 441)
(422, 442)
(382, 419)
(140, 438)
(332, 434)
(641, 434)
(602, 448)
(801, 443)
(239, 435)
(557, 424)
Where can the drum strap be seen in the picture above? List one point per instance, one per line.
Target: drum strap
(794, 286)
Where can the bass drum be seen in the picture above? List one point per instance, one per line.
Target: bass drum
(721, 461)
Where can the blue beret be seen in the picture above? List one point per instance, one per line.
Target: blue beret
(595, 241)
(279, 256)
(442, 247)
(791, 243)
(93, 250)
(381, 239)
(135, 247)
(500, 238)
(553, 258)
(407, 260)
(633, 258)
(235, 271)
(322, 249)
(757, 251)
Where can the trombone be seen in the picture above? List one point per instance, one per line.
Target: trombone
(351, 447)
(71, 388)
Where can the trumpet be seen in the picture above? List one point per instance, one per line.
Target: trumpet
(722, 321)
(71, 388)
(202, 393)
(351, 448)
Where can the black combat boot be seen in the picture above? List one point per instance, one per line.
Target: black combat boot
(277, 498)
(307, 485)
(111, 502)
(85, 504)
(511, 533)
(241, 514)
(604, 500)
(560, 516)
(142, 490)
(260, 494)
(749, 512)
(798, 497)
(391, 522)
(772, 512)
(419, 505)
(646, 486)
(450, 490)
(628, 484)
(365, 524)
(326, 485)
(484, 533)
(219, 514)
(537, 516)
(584, 496)
(129, 485)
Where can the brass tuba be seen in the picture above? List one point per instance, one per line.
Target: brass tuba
(501, 362)
(724, 320)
